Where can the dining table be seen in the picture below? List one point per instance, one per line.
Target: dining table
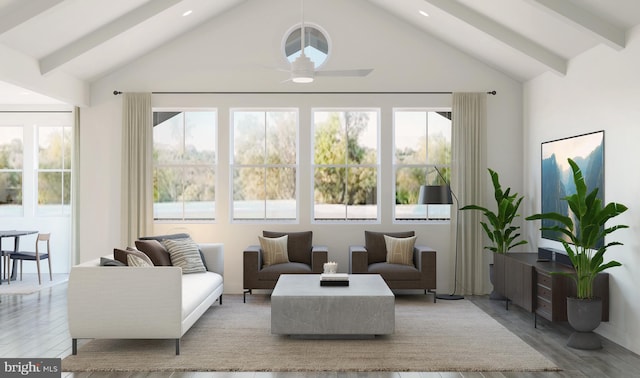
(15, 234)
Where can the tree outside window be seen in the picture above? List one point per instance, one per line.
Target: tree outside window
(184, 153)
(11, 157)
(422, 147)
(54, 170)
(345, 165)
(265, 165)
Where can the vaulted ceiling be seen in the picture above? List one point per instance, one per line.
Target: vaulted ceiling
(84, 40)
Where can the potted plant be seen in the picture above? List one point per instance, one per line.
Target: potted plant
(500, 230)
(585, 228)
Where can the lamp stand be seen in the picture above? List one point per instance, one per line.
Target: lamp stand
(453, 295)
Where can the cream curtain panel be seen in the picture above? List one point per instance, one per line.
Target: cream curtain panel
(468, 182)
(137, 159)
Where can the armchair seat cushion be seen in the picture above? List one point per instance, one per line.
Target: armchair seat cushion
(395, 272)
(273, 272)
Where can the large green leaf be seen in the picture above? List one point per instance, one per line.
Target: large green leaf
(585, 233)
(501, 233)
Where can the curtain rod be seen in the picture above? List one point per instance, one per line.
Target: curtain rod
(298, 93)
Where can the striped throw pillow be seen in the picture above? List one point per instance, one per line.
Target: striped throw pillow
(400, 250)
(274, 250)
(185, 254)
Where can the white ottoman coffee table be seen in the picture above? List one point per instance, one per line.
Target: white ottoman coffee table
(301, 307)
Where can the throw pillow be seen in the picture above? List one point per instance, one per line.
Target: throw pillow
(376, 246)
(400, 250)
(299, 244)
(155, 250)
(133, 260)
(274, 250)
(110, 262)
(122, 255)
(185, 254)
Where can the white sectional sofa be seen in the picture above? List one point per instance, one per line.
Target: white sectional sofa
(126, 302)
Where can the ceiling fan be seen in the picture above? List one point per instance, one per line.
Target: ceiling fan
(303, 69)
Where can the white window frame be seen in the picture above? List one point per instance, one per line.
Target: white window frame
(185, 165)
(65, 209)
(233, 165)
(377, 166)
(21, 211)
(427, 167)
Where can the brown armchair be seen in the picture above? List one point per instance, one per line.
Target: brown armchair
(371, 258)
(304, 258)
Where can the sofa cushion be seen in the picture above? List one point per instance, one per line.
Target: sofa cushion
(274, 250)
(122, 255)
(400, 250)
(133, 260)
(160, 238)
(395, 272)
(299, 244)
(110, 262)
(155, 250)
(273, 272)
(185, 254)
(196, 288)
(376, 246)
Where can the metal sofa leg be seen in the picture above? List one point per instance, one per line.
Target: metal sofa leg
(244, 295)
(434, 295)
(177, 347)
(74, 346)
(220, 300)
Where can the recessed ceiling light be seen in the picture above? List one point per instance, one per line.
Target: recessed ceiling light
(424, 13)
(185, 14)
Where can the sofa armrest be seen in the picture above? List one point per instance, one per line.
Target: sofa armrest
(358, 259)
(124, 302)
(425, 260)
(213, 257)
(251, 265)
(319, 256)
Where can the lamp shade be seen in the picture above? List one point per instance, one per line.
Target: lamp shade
(435, 195)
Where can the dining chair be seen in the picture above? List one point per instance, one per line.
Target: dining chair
(34, 256)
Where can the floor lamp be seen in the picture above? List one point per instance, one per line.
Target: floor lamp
(442, 195)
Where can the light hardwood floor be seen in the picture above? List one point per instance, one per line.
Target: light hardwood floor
(35, 326)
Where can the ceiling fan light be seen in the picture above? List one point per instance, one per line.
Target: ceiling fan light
(302, 70)
(302, 79)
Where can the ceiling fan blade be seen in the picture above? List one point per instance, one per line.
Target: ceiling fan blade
(345, 73)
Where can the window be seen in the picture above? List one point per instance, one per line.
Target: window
(54, 170)
(184, 152)
(11, 157)
(316, 45)
(264, 164)
(422, 148)
(345, 165)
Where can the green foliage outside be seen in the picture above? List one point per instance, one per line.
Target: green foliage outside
(338, 152)
(54, 165)
(54, 153)
(11, 182)
(409, 179)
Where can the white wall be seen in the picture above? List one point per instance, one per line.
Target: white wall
(601, 91)
(227, 54)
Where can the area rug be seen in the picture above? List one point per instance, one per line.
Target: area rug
(442, 336)
(29, 283)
